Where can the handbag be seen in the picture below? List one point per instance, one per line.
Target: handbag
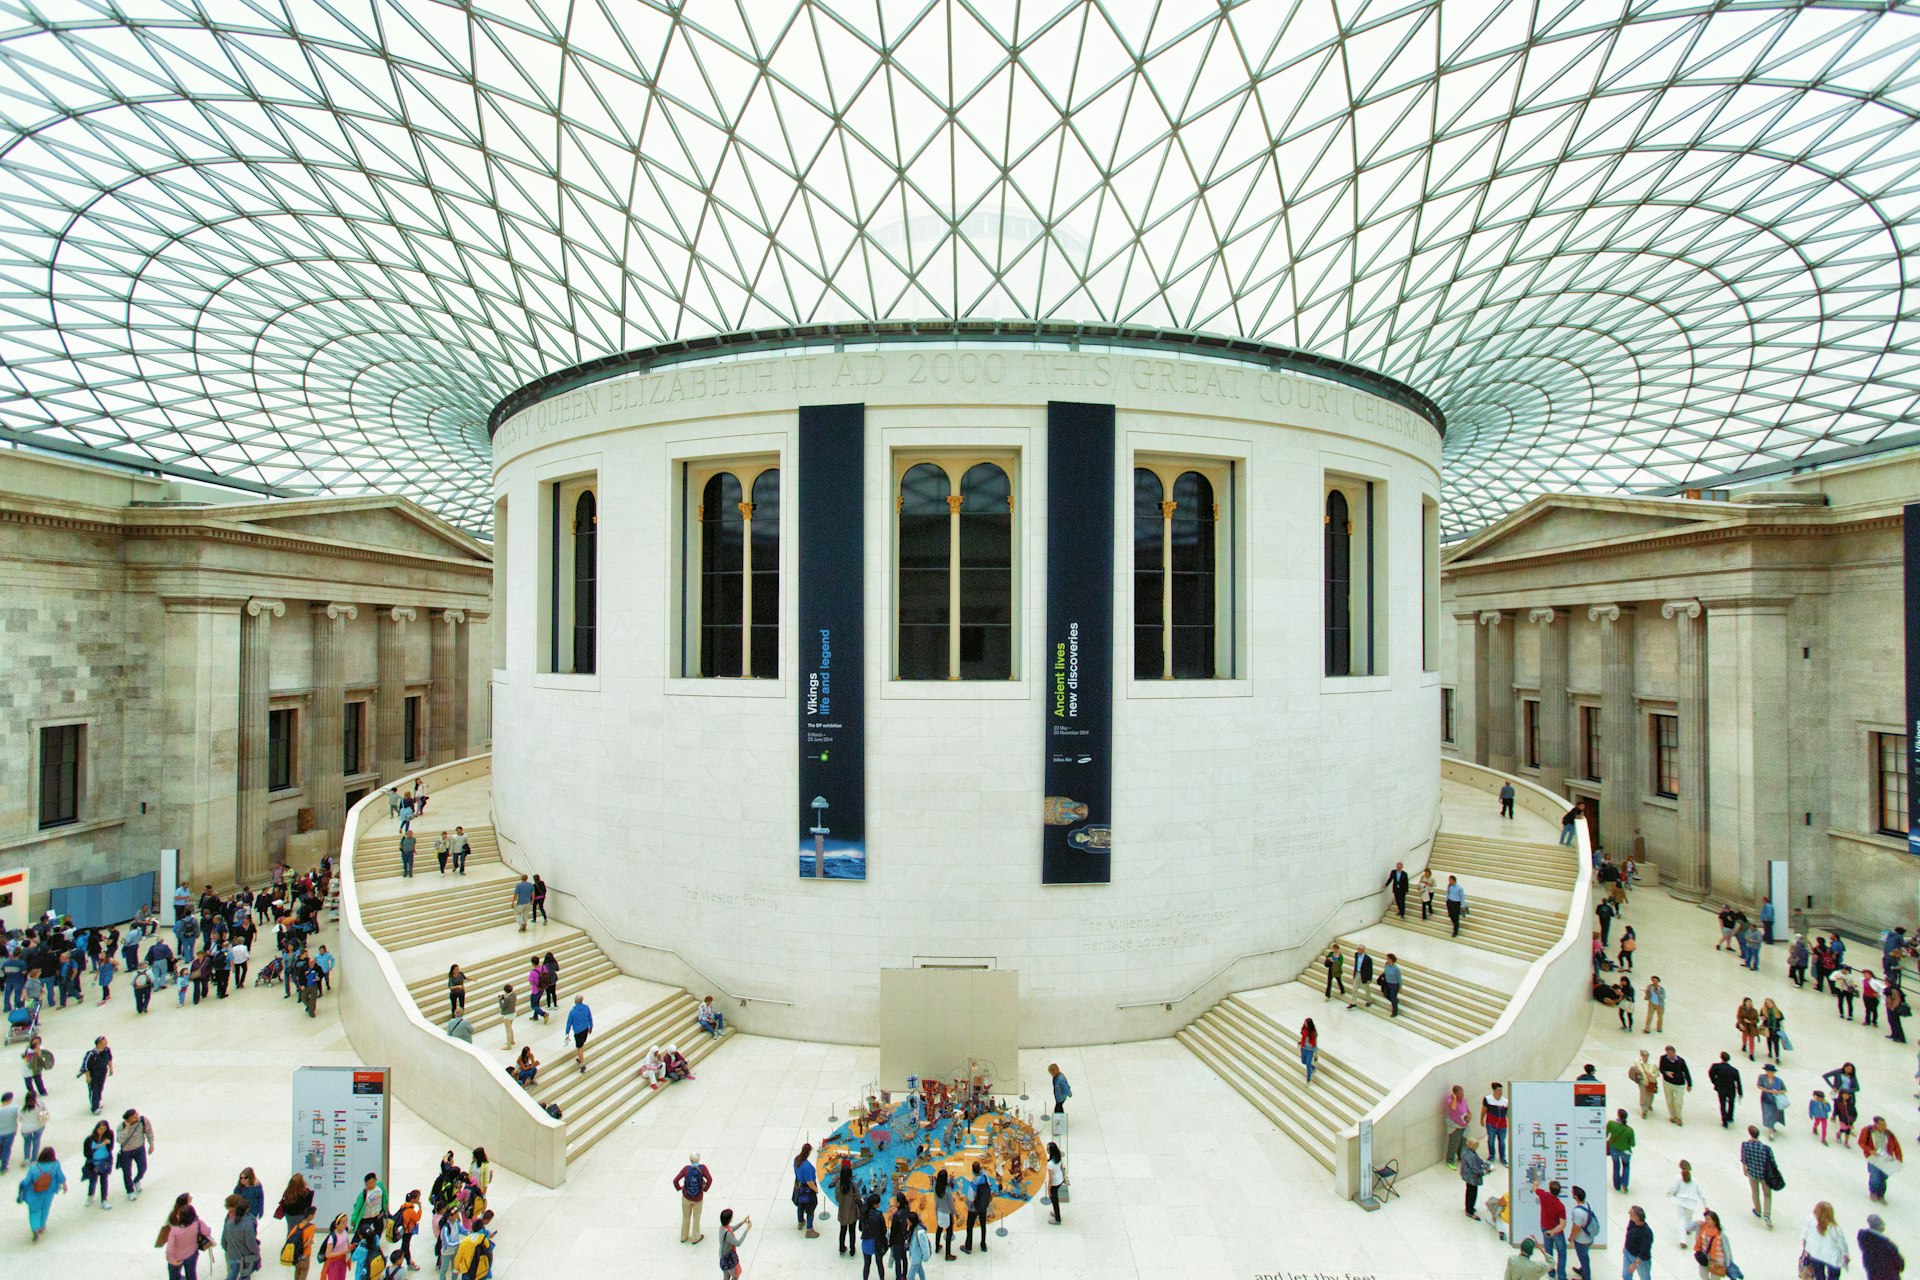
(1775, 1180)
(1700, 1257)
(1786, 1041)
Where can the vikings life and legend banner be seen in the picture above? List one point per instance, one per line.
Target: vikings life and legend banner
(832, 600)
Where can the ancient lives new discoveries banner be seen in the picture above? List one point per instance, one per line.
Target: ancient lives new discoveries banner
(1076, 838)
(833, 725)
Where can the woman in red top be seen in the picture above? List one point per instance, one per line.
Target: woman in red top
(1309, 1046)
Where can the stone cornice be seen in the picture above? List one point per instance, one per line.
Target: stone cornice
(1665, 540)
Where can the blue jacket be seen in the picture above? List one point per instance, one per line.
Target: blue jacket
(1061, 1089)
(579, 1018)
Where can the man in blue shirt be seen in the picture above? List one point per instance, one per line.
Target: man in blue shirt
(406, 855)
(1456, 903)
(580, 1026)
(523, 902)
(1390, 983)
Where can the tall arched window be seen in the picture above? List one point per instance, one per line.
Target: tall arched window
(1339, 584)
(1182, 602)
(586, 568)
(723, 530)
(955, 605)
(763, 578)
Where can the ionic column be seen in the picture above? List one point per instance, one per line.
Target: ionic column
(250, 822)
(390, 713)
(1497, 702)
(325, 771)
(440, 716)
(1620, 787)
(1691, 851)
(1554, 732)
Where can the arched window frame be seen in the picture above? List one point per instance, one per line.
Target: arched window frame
(957, 466)
(1153, 587)
(586, 584)
(760, 648)
(1365, 650)
(560, 582)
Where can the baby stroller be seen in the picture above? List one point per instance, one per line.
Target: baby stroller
(23, 1024)
(270, 972)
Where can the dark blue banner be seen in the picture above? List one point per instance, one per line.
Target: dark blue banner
(1911, 533)
(1076, 845)
(832, 601)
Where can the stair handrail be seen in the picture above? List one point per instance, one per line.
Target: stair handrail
(501, 835)
(1312, 939)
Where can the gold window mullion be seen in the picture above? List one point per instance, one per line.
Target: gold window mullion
(1167, 509)
(953, 581)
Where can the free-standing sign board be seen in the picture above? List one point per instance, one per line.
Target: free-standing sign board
(1557, 1132)
(341, 1132)
(15, 899)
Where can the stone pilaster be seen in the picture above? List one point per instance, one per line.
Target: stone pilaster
(1747, 704)
(325, 775)
(466, 740)
(1620, 787)
(1555, 733)
(255, 686)
(200, 695)
(390, 701)
(1691, 866)
(448, 685)
(1497, 702)
(1469, 678)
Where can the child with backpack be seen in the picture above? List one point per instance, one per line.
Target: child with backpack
(407, 1226)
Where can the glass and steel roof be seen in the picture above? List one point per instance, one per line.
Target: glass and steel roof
(309, 244)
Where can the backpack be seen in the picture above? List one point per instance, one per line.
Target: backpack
(694, 1180)
(473, 1260)
(982, 1196)
(42, 1182)
(1582, 1219)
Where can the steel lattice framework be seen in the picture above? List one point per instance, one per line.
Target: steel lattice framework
(310, 244)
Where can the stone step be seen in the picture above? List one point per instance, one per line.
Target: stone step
(608, 1111)
(1346, 1092)
(386, 866)
(1477, 930)
(1421, 1011)
(511, 966)
(429, 901)
(399, 935)
(1445, 864)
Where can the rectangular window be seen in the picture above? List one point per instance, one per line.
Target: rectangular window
(1353, 576)
(497, 634)
(1890, 783)
(411, 731)
(954, 565)
(1530, 732)
(730, 568)
(1446, 715)
(1666, 756)
(1429, 585)
(280, 748)
(570, 574)
(1590, 742)
(62, 764)
(1183, 578)
(353, 732)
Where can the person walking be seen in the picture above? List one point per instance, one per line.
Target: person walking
(1746, 1020)
(1061, 1089)
(1568, 825)
(1710, 1248)
(509, 1007)
(1457, 1116)
(1399, 882)
(1506, 811)
(1689, 1202)
(1772, 1024)
(1335, 964)
(1727, 1087)
(979, 1208)
(1636, 1249)
(1362, 977)
(442, 850)
(1456, 903)
(1656, 1000)
(96, 1162)
(407, 845)
(460, 847)
(96, 1065)
(579, 1026)
(1390, 983)
(1882, 1151)
(240, 1239)
(1620, 1140)
(1309, 1046)
(1473, 1171)
(1879, 1256)
(1773, 1101)
(39, 1184)
(1757, 1162)
(1798, 957)
(540, 901)
(135, 1142)
(523, 902)
(1646, 1079)
(1844, 990)
(1897, 1008)
(1493, 1118)
(1424, 887)
(1676, 1082)
(33, 1123)
(692, 1182)
(1583, 1228)
(806, 1190)
(1056, 1178)
(847, 1206)
(180, 1238)
(1823, 1245)
(456, 990)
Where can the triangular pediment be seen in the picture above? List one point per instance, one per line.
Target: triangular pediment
(389, 523)
(1556, 522)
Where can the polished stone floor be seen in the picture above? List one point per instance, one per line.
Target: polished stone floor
(1174, 1174)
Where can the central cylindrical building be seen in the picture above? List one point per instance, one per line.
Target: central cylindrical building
(1114, 665)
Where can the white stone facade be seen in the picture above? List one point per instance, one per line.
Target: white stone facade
(1779, 608)
(1247, 811)
(131, 606)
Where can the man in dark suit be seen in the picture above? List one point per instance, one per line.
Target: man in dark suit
(1363, 976)
(1397, 881)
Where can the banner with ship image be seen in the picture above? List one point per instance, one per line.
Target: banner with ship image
(1076, 842)
(832, 650)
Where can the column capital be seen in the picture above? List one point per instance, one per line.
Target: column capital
(400, 613)
(1686, 610)
(334, 610)
(258, 606)
(452, 617)
(1492, 617)
(1609, 612)
(1546, 617)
